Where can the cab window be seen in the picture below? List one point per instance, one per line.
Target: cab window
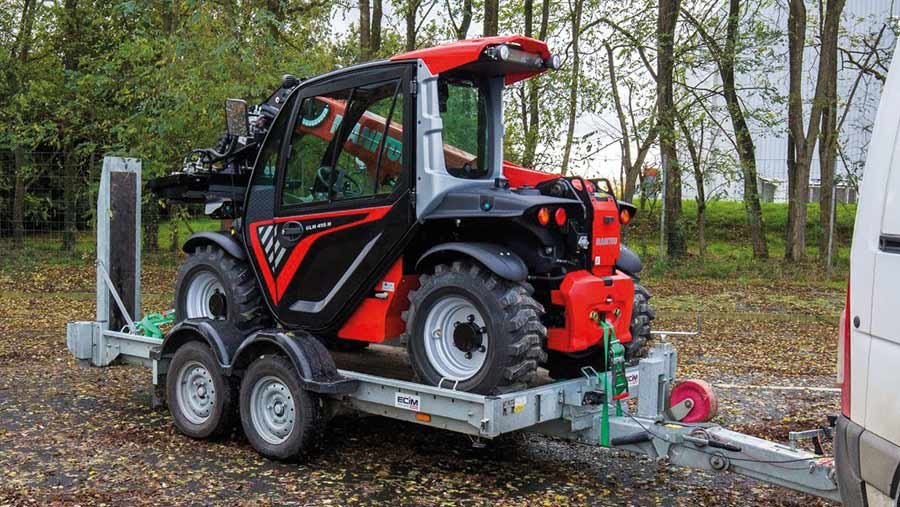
(463, 106)
(346, 144)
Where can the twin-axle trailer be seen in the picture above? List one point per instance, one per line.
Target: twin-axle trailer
(645, 420)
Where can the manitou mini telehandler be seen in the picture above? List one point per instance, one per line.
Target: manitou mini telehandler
(374, 202)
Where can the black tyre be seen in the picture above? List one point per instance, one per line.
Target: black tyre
(642, 314)
(200, 397)
(281, 420)
(469, 329)
(212, 284)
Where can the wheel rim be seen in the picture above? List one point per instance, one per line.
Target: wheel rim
(272, 409)
(196, 392)
(456, 341)
(205, 297)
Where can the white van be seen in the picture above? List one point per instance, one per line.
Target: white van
(867, 436)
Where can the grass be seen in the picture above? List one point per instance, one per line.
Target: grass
(728, 252)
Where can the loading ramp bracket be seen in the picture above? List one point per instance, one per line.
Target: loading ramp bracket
(565, 409)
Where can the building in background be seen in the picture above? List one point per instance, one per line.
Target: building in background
(861, 24)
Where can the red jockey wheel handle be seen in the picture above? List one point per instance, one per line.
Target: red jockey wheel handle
(705, 403)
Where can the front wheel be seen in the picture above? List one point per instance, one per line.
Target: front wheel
(214, 285)
(470, 330)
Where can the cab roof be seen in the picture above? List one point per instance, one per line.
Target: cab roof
(458, 53)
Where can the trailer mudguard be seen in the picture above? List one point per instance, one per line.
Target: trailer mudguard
(628, 261)
(309, 356)
(221, 336)
(223, 240)
(503, 262)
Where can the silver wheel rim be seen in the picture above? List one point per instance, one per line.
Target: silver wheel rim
(272, 409)
(196, 392)
(202, 287)
(451, 362)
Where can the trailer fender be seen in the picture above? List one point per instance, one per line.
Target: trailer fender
(503, 262)
(223, 240)
(221, 336)
(309, 356)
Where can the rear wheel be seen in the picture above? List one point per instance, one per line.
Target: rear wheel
(473, 331)
(281, 420)
(212, 284)
(642, 314)
(199, 396)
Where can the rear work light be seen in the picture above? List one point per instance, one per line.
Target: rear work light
(543, 216)
(560, 217)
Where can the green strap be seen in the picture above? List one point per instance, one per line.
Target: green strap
(609, 336)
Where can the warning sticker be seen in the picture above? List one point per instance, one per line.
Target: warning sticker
(514, 406)
(407, 401)
(519, 406)
(387, 286)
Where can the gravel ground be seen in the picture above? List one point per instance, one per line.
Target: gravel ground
(88, 436)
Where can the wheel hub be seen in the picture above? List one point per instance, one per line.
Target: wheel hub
(272, 409)
(456, 341)
(196, 394)
(205, 297)
(467, 336)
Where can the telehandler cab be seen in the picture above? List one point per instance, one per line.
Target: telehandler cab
(373, 202)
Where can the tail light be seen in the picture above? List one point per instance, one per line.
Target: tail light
(543, 216)
(843, 356)
(560, 217)
(624, 217)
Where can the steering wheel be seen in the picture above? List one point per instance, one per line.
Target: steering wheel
(343, 182)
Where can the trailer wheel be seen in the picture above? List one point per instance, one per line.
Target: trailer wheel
(200, 397)
(214, 285)
(473, 331)
(281, 420)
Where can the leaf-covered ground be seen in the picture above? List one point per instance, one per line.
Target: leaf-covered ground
(88, 436)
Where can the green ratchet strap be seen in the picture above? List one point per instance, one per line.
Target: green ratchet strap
(149, 325)
(617, 389)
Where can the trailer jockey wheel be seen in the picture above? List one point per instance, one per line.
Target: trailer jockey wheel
(693, 401)
(281, 420)
(199, 396)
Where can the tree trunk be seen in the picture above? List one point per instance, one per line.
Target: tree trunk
(575, 19)
(71, 37)
(828, 141)
(804, 143)
(375, 32)
(746, 149)
(410, 16)
(665, 32)
(532, 136)
(365, 24)
(491, 17)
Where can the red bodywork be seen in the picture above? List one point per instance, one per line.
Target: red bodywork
(456, 54)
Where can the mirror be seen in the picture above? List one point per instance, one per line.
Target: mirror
(236, 117)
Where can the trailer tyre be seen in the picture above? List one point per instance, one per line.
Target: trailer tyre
(281, 420)
(212, 284)
(200, 397)
(473, 331)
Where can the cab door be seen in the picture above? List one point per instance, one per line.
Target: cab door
(341, 196)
